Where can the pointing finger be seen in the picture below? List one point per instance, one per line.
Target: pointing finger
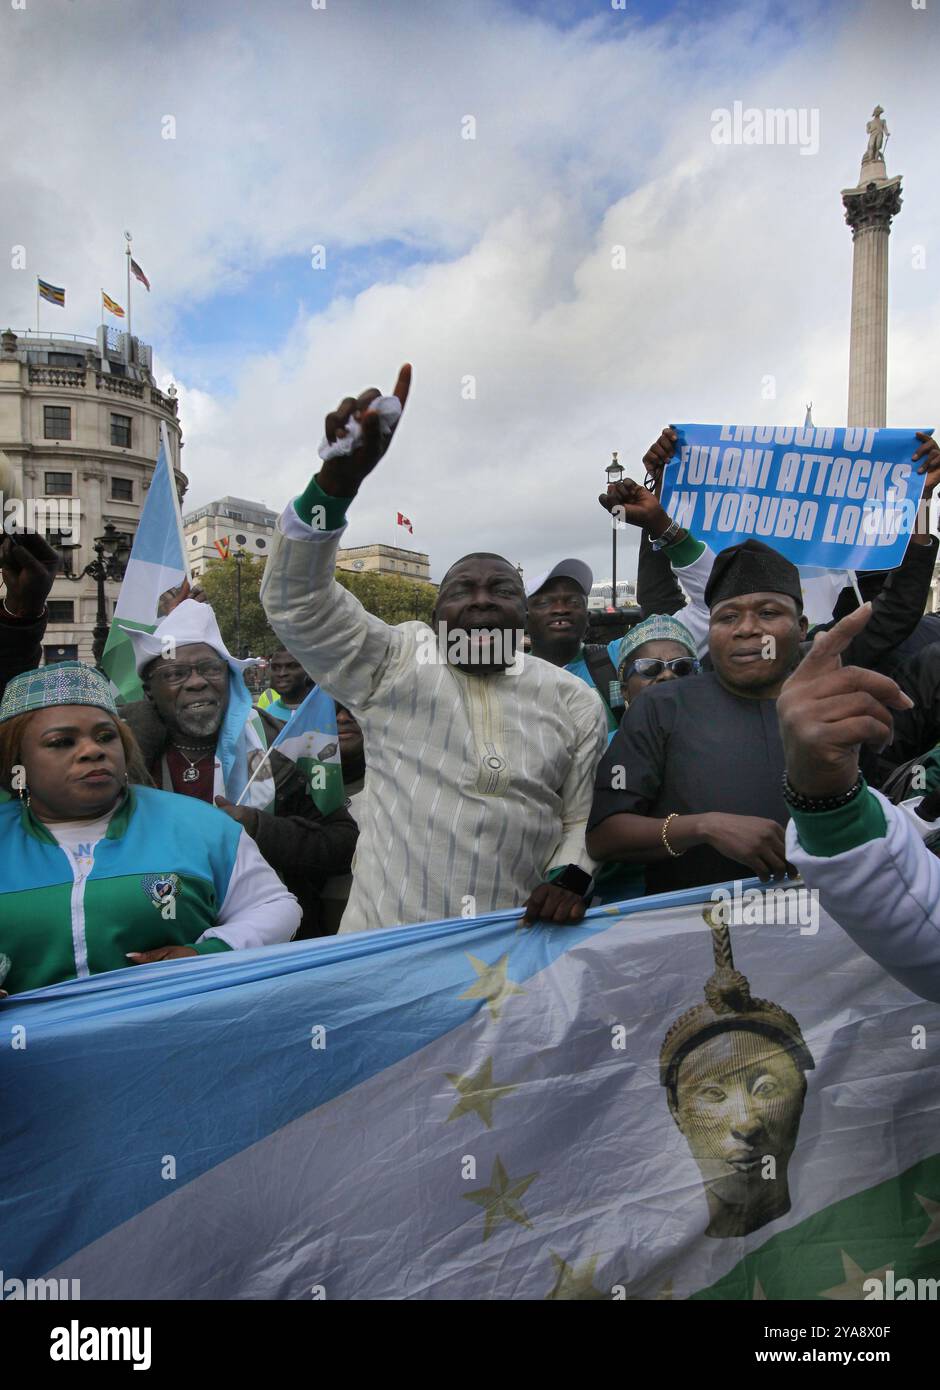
(403, 384)
(828, 646)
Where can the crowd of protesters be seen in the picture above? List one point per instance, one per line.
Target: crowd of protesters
(492, 760)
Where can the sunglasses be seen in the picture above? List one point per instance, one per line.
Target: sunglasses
(649, 667)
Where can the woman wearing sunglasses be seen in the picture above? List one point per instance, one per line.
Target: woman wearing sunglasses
(658, 649)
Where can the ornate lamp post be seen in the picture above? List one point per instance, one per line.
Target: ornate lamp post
(112, 552)
(614, 474)
(239, 558)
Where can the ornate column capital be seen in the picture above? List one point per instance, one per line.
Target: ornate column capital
(873, 205)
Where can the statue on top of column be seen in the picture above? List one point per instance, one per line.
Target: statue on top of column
(878, 134)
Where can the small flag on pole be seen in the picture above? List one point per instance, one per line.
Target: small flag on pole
(403, 521)
(111, 305)
(221, 546)
(311, 740)
(52, 293)
(136, 270)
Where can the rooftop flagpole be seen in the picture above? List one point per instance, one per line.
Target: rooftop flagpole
(127, 238)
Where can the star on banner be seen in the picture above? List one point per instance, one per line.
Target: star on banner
(573, 1281)
(855, 1276)
(477, 1093)
(493, 984)
(500, 1201)
(933, 1230)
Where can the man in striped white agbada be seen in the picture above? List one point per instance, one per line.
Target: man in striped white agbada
(480, 760)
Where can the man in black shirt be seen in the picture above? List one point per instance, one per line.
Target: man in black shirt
(691, 785)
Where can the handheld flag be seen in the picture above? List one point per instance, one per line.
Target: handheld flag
(111, 305)
(221, 546)
(136, 270)
(157, 563)
(53, 294)
(310, 739)
(403, 521)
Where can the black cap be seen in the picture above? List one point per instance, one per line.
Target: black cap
(752, 568)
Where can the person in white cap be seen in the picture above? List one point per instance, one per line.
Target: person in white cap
(480, 760)
(201, 737)
(558, 623)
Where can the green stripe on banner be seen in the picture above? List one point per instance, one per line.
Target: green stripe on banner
(835, 1254)
(324, 783)
(118, 664)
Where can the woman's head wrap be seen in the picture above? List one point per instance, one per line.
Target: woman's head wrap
(62, 683)
(658, 628)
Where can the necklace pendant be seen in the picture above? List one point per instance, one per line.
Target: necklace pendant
(190, 775)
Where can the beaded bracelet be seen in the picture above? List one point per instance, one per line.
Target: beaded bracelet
(676, 853)
(799, 802)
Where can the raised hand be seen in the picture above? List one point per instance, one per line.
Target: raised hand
(929, 454)
(827, 711)
(342, 477)
(628, 501)
(29, 565)
(658, 455)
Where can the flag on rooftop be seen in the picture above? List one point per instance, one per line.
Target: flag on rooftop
(157, 563)
(111, 305)
(462, 1110)
(53, 294)
(403, 521)
(136, 270)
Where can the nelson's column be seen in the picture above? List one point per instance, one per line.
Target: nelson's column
(869, 208)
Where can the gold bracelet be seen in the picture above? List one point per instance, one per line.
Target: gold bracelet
(676, 853)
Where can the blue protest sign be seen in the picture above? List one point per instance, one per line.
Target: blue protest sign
(834, 498)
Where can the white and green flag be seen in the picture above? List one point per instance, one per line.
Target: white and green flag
(157, 563)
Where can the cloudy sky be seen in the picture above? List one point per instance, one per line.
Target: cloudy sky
(589, 266)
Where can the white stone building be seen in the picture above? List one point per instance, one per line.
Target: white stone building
(385, 559)
(227, 525)
(80, 423)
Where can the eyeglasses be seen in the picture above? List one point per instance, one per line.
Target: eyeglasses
(649, 667)
(213, 671)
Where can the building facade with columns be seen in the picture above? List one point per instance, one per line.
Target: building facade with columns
(387, 560)
(80, 424)
(225, 526)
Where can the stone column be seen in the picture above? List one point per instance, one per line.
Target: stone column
(869, 208)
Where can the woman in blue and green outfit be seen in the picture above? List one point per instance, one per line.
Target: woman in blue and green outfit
(98, 871)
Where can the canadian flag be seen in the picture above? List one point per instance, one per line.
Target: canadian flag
(403, 521)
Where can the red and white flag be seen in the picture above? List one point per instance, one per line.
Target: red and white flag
(403, 521)
(136, 270)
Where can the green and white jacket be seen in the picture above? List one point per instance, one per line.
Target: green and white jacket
(877, 879)
(169, 871)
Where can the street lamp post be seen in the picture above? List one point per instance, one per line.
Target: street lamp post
(238, 557)
(112, 552)
(614, 474)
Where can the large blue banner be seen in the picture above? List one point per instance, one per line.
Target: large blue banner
(827, 497)
(466, 1110)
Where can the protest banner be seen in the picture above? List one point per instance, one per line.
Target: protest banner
(831, 498)
(622, 1109)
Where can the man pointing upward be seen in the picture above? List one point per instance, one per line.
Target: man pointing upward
(480, 760)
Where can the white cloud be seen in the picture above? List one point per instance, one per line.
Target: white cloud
(343, 126)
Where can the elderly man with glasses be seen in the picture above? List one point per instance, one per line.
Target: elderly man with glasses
(201, 737)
